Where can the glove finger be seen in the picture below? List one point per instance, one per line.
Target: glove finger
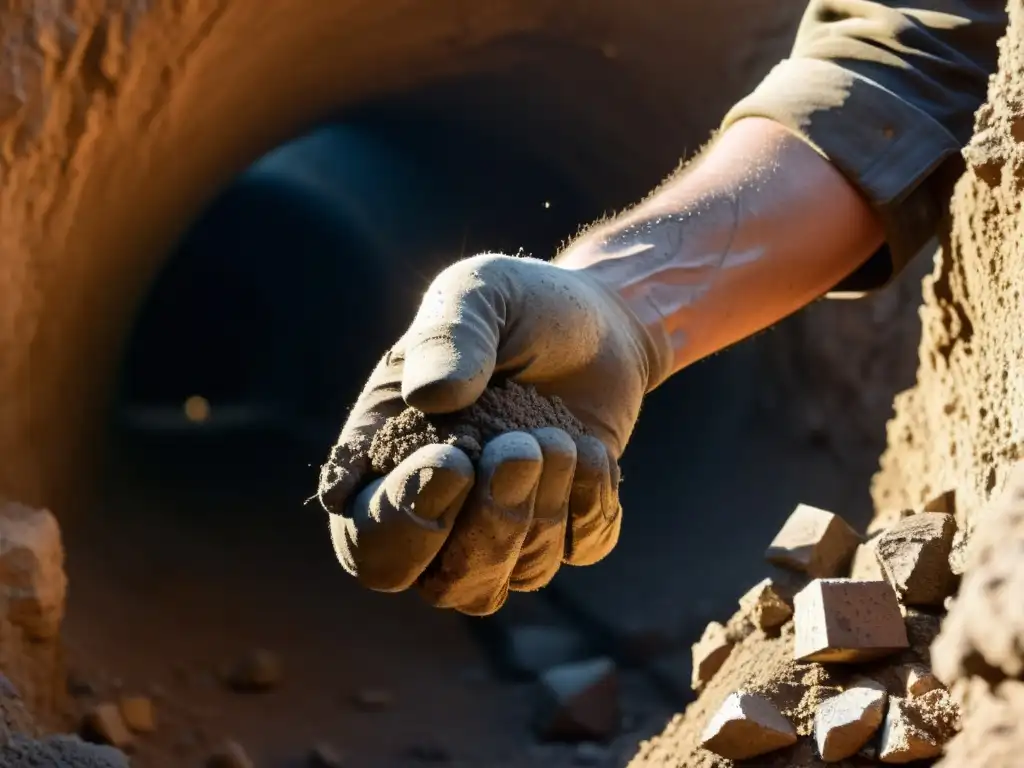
(347, 468)
(452, 345)
(472, 571)
(542, 551)
(398, 523)
(595, 517)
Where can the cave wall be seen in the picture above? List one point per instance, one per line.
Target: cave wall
(961, 426)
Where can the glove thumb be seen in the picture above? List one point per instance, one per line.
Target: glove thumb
(451, 347)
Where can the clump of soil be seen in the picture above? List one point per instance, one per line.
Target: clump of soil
(503, 407)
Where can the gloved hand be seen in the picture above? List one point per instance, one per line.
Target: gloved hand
(465, 537)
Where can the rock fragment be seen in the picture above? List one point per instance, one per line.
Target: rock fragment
(230, 754)
(137, 713)
(579, 702)
(844, 724)
(258, 670)
(103, 724)
(531, 649)
(32, 579)
(325, 756)
(848, 621)
(918, 680)
(814, 541)
(747, 725)
(914, 554)
(865, 566)
(918, 729)
(709, 654)
(765, 606)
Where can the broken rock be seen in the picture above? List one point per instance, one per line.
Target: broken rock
(918, 680)
(918, 729)
(765, 606)
(579, 702)
(709, 654)
(844, 724)
(103, 724)
(842, 620)
(815, 542)
(914, 555)
(747, 725)
(137, 713)
(32, 578)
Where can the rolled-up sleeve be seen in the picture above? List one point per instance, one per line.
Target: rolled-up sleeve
(887, 91)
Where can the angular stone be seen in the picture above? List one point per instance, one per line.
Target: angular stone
(865, 565)
(918, 729)
(103, 724)
(815, 542)
(914, 555)
(847, 621)
(137, 713)
(531, 649)
(32, 579)
(844, 724)
(258, 670)
(709, 654)
(918, 680)
(747, 725)
(579, 702)
(765, 606)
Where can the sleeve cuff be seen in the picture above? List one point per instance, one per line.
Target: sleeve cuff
(884, 145)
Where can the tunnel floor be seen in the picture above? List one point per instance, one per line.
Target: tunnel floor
(177, 585)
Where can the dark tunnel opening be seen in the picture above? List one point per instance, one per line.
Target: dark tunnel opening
(275, 305)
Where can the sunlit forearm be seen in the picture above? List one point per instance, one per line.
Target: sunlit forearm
(756, 229)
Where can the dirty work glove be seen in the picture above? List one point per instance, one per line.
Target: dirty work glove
(463, 538)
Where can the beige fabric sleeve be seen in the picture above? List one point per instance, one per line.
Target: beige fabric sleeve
(887, 91)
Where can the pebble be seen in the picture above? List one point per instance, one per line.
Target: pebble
(747, 725)
(765, 606)
(579, 702)
(844, 724)
(815, 542)
(103, 724)
(137, 713)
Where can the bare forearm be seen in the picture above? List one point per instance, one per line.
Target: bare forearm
(756, 229)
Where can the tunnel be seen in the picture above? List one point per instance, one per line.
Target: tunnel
(215, 218)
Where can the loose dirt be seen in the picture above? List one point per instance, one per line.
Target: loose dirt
(503, 407)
